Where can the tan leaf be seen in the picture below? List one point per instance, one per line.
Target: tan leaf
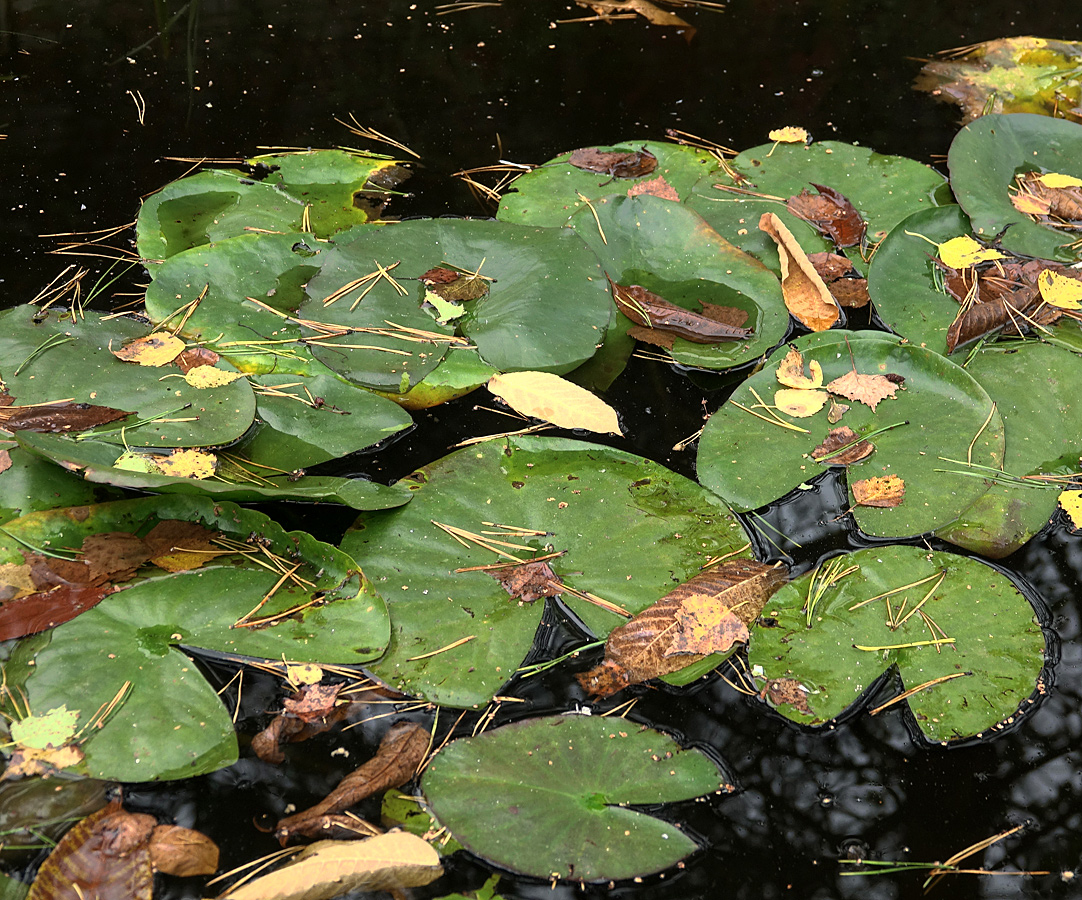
(790, 134)
(706, 605)
(15, 581)
(27, 761)
(855, 449)
(182, 851)
(791, 371)
(154, 350)
(656, 187)
(552, 398)
(5, 460)
(328, 869)
(866, 389)
(837, 410)
(528, 581)
(800, 404)
(885, 493)
(806, 296)
(846, 284)
(188, 463)
(210, 377)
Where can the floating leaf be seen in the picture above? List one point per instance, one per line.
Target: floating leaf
(806, 296)
(790, 134)
(51, 729)
(1059, 289)
(865, 388)
(187, 463)
(155, 350)
(962, 252)
(182, 852)
(791, 371)
(615, 164)
(842, 447)
(800, 404)
(656, 187)
(528, 581)
(841, 277)
(58, 417)
(646, 308)
(832, 215)
(203, 377)
(553, 399)
(1071, 503)
(884, 492)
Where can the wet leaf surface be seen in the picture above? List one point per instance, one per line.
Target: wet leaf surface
(58, 417)
(551, 398)
(646, 308)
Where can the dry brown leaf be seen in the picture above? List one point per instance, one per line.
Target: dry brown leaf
(5, 460)
(832, 215)
(529, 581)
(805, 294)
(33, 613)
(791, 371)
(556, 400)
(113, 556)
(846, 284)
(645, 308)
(328, 869)
(867, 389)
(655, 187)
(182, 851)
(154, 350)
(307, 712)
(786, 691)
(177, 545)
(719, 602)
(885, 492)
(800, 404)
(856, 449)
(1060, 197)
(58, 418)
(27, 761)
(194, 357)
(615, 163)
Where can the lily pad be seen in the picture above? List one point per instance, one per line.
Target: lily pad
(216, 204)
(45, 356)
(95, 462)
(938, 411)
(171, 723)
(558, 791)
(549, 195)
(884, 189)
(30, 484)
(984, 159)
(669, 249)
(1035, 389)
(629, 531)
(985, 667)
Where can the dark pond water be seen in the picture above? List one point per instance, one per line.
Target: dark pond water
(510, 81)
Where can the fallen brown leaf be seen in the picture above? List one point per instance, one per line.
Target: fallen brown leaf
(805, 294)
(885, 492)
(528, 581)
(58, 418)
(832, 215)
(194, 357)
(645, 308)
(615, 163)
(870, 390)
(182, 851)
(841, 277)
(655, 187)
(827, 451)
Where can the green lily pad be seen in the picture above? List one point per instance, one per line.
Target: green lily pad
(751, 462)
(57, 359)
(30, 484)
(216, 204)
(96, 461)
(668, 249)
(546, 308)
(884, 189)
(557, 792)
(1035, 389)
(984, 159)
(991, 665)
(171, 723)
(629, 529)
(549, 195)
(461, 371)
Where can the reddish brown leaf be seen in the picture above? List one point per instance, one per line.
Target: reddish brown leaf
(704, 615)
(883, 493)
(113, 556)
(59, 417)
(867, 389)
(647, 309)
(655, 187)
(400, 754)
(46, 609)
(182, 851)
(615, 163)
(177, 545)
(194, 357)
(439, 275)
(832, 215)
(843, 280)
(5, 460)
(528, 581)
(786, 691)
(827, 451)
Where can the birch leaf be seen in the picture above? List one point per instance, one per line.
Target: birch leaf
(550, 397)
(867, 389)
(153, 350)
(188, 463)
(886, 492)
(1071, 501)
(806, 295)
(1060, 290)
(962, 252)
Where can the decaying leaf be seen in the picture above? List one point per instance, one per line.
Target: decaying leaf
(154, 350)
(183, 852)
(790, 134)
(194, 357)
(615, 163)
(177, 545)
(653, 13)
(1071, 503)
(791, 371)
(647, 309)
(328, 869)
(60, 418)
(832, 215)
(885, 492)
(655, 187)
(556, 400)
(400, 754)
(831, 453)
(786, 691)
(189, 463)
(1050, 198)
(706, 614)
(528, 581)
(836, 411)
(5, 461)
(445, 310)
(52, 729)
(210, 377)
(867, 389)
(312, 710)
(846, 284)
(1060, 290)
(37, 612)
(805, 294)
(455, 286)
(800, 404)
(27, 762)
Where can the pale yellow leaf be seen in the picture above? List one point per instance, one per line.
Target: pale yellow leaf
(790, 134)
(188, 463)
(1071, 501)
(210, 377)
(309, 673)
(1059, 180)
(328, 869)
(552, 398)
(1060, 290)
(791, 371)
(963, 252)
(153, 350)
(800, 404)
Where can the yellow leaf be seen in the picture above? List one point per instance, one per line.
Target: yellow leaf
(805, 293)
(153, 350)
(885, 492)
(800, 404)
(1071, 501)
(210, 377)
(1058, 180)
(188, 463)
(15, 581)
(963, 252)
(791, 371)
(791, 134)
(550, 397)
(309, 673)
(1060, 290)
(329, 869)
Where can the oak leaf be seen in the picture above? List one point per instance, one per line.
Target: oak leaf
(883, 492)
(806, 295)
(153, 350)
(556, 400)
(870, 390)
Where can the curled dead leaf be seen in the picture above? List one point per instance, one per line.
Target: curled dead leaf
(805, 294)
(791, 371)
(832, 215)
(528, 581)
(846, 284)
(652, 311)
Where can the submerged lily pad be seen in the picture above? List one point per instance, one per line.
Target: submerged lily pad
(985, 666)
(58, 359)
(557, 791)
(628, 530)
(270, 195)
(171, 723)
(984, 159)
(938, 411)
(669, 249)
(552, 193)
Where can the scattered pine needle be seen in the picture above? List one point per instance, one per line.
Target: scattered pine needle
(443, 649)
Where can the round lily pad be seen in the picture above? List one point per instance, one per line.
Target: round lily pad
(1035, 389)
(938, 411)
(984, 159)
(888, 615)
(558, 789)
(627, 531)
(669, 250)
(45, 357)
(553, 192)
(30, 484)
